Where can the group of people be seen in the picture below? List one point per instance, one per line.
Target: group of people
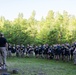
(56, 51)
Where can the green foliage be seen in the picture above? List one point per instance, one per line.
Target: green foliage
(55, 28)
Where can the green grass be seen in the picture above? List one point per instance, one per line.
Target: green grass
(36, 66)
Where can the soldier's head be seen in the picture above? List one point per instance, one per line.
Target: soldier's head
(75, 44)
(1, 35)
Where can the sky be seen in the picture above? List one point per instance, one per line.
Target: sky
(11, 8)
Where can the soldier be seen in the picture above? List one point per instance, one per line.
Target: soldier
(9, 50)
(13, 49)
(50, 52)
(41, 51)
(3, 52)
(74, 55)
(63, 51)
(22, 51)
(71, 52)
(36, 50)
(46, 47)
(67, 53)
(27, 50)
(17, 50)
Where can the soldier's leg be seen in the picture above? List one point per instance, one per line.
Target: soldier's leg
(4, 55)
(0, 60)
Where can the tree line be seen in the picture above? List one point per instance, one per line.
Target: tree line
(52, 29)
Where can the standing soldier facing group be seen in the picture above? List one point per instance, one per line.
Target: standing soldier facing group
(3, 52)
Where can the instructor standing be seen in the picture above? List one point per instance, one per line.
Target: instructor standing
(3, 52)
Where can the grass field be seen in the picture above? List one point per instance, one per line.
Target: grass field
(38, 66)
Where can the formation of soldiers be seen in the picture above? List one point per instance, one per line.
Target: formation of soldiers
(57, 51)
